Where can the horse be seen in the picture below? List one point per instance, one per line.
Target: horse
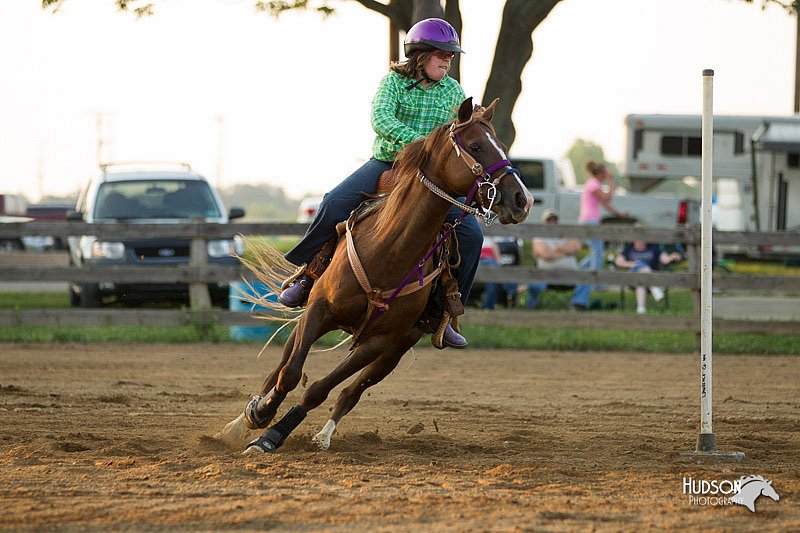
(751, 487)
(430, 174)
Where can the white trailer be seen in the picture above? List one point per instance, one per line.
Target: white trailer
(756, 167)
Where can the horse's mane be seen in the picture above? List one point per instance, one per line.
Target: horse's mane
(408, 163)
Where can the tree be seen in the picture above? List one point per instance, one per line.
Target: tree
(512, 52)
(583, 151)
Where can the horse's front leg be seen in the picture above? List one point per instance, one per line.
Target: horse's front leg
(255, 414)
(361, 356)
(373, 374)
(259, 412)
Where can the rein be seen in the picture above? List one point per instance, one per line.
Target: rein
(378, 303)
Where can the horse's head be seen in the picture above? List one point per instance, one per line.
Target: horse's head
(477, 158)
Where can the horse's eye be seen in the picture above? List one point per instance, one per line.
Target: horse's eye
(475, 148)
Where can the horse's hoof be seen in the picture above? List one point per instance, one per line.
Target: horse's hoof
(322, 440)
(259, 446)
(255, 420)
(270, 441)
(234, 432)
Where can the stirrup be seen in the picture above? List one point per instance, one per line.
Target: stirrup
(437, 339)
(297, 273)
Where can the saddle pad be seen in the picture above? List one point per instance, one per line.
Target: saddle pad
(364, 209)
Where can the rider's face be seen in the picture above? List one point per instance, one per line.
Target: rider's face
(438, 65)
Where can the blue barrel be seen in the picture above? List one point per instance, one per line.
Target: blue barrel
(252, 333)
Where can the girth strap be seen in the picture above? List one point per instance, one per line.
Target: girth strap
(377, 295)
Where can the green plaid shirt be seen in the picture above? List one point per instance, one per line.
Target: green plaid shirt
(400, 116)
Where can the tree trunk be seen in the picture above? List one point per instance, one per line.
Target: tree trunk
(425, 9)
(452, 14)
(514, 49)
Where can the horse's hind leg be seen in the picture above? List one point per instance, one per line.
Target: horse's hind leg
(373, 374)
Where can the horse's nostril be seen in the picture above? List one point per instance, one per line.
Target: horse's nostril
(520, 201)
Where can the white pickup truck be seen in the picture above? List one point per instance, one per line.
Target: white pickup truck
(553, 185)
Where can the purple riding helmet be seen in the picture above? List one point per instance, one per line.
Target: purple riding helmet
(429, 34)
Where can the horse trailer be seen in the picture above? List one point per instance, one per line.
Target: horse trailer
(756, 168)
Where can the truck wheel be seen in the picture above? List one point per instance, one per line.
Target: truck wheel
(11, 245)
(90, 297)
(74, 298)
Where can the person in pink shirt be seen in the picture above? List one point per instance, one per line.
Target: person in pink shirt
(593, 197)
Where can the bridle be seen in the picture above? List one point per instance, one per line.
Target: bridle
(483, 178)
(379, 300)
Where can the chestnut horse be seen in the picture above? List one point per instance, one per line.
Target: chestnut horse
(389, 244)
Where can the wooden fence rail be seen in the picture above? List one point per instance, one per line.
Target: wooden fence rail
(197, 273)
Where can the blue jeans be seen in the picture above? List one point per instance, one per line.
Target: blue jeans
(580, 296)
(342, 199)
(595, 260)
(490, 290)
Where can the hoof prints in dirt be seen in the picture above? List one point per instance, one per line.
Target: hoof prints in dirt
(70, 447)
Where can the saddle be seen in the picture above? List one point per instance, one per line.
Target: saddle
(444, 304)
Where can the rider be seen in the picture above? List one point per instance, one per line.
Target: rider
(414, 98)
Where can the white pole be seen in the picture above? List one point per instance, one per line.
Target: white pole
(706, 442)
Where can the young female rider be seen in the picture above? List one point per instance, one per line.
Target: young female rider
(415, 97)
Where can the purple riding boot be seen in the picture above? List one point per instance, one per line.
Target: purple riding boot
(454, 339)
(296, 294)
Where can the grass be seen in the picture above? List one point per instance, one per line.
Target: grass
(481, 337)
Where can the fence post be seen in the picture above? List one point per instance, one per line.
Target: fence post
(199, 298)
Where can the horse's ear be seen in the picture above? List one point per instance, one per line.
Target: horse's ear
(489, 111)
(465, 111)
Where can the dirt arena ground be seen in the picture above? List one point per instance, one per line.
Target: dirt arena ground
(113, 437)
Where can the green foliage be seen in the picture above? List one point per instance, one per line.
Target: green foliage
(277, 7)
(261, 202)
(581, 152)
(792, 8)
(568, 339)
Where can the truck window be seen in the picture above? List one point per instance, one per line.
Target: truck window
(532, 173)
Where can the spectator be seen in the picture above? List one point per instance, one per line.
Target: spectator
(592, 197)
(640, 256)
(490, 257)
(557, 253)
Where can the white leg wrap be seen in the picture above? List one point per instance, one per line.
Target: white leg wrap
(234, 432)
(323, 438)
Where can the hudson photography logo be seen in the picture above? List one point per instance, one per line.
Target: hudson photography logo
(743, 491)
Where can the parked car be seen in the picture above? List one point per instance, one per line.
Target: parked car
(160, 196)
(12, 209)
(308, 209)
(46, 212)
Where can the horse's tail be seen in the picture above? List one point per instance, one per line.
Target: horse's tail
(270, 268)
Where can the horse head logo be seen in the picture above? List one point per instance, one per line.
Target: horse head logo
(751, 487)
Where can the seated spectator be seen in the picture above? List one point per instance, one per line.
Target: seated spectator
(557, 253)
(640, 256)
(490, 256)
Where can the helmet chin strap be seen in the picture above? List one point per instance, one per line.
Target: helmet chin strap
(424, 78)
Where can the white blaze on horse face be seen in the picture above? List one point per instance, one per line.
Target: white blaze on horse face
(323, 438)
(496, 147)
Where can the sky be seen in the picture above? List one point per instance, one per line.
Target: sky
(247, 98)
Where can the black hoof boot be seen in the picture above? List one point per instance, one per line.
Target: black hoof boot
(270, 441)
(260, 411)
(273, 438)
